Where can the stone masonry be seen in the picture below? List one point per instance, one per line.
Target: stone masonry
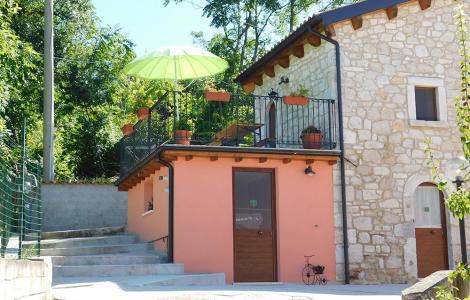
(384, 145)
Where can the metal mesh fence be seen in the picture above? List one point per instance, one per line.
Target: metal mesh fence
(20, 201)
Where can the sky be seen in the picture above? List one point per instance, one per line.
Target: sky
(150, 25)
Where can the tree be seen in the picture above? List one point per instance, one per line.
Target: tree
(92, 96)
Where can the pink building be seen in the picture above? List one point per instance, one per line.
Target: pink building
(267, 179)
(241, 200)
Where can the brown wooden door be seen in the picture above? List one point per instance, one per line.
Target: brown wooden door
(430, 230)
(254, 225)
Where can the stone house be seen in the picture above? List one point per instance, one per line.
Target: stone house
(399, 75)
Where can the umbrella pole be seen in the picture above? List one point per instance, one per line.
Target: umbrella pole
(176, 91)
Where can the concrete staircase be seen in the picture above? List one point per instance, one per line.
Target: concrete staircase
(113, 252)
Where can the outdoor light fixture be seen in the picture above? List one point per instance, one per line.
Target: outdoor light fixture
(309, 171)
(456, 171)
(284, 80)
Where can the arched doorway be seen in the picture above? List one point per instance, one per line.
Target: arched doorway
(272, 126)
(430, 230)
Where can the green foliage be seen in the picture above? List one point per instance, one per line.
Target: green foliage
(458, 201)
(311, 129)
(93, 98)
(301, 91)
(185, 124)
(450, 291)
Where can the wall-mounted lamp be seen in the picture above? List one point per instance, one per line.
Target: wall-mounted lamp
(309, 171)
(284, 80)
(273, 94)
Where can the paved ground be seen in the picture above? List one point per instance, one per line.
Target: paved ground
(133, 287)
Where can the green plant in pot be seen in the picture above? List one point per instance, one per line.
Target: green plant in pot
(128, 126)
(299, 97)
(311, 137)
(184, 131)
(212, 93)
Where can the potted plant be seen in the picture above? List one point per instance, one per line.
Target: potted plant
(127, 129)
(311, 137)
(143, 112)
(211, 93)
(297, 98)
(183, 131)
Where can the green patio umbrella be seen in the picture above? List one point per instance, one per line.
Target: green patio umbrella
(176, 63)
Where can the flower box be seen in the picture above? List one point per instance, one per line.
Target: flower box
(217, 96)
(295, 100)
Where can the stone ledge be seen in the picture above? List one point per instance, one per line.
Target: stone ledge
(431, 124)
(424, 289)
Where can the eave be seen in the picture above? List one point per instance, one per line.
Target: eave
(323, 22)
(150, 164)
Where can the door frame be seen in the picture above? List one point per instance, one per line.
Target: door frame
(273, 213)
(443, 215)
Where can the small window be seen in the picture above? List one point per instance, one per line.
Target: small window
(148, 196)
(426, 104)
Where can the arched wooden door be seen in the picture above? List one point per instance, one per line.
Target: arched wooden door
(430, 230)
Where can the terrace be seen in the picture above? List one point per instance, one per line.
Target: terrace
(243, 124)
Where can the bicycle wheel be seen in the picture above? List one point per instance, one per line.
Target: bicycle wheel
(323, 280)
(307, 275)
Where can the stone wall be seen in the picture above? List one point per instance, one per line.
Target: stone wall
(384, 147)
(82, 206)
(25, 279)
(315, 71)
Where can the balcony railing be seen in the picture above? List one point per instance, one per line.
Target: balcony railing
(244, 121)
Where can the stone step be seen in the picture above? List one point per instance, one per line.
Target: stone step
(117, 270)
(94, 250)
(187, 279)
(89, 241)
(110, 259)
(83, 233)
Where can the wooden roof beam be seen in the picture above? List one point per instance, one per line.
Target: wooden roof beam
(269, 71)
(356, 22)
(249, 87)
(298, 51)
(313, 40)
(330, 30)
(258, 79)
(424, 4)
(392, 12)
(284, 61)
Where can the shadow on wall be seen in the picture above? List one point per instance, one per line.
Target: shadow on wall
(82, 206)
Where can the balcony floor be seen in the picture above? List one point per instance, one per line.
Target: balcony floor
(171, 152)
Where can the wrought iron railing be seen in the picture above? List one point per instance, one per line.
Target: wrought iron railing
(244, 121)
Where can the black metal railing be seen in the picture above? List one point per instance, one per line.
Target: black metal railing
(244, 121)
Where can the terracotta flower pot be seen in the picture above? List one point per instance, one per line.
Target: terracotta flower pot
(183, 137)
(295, 100)
(127, 129)
(217, 96)
(312, 140)
(143, 113)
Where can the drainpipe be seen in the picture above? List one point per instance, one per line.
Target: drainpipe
(171, 175)
(341, 146)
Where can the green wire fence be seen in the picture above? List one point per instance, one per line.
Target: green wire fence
(20, 200)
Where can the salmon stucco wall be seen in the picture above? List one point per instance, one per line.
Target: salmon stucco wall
(151, 225)
(203, 225)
